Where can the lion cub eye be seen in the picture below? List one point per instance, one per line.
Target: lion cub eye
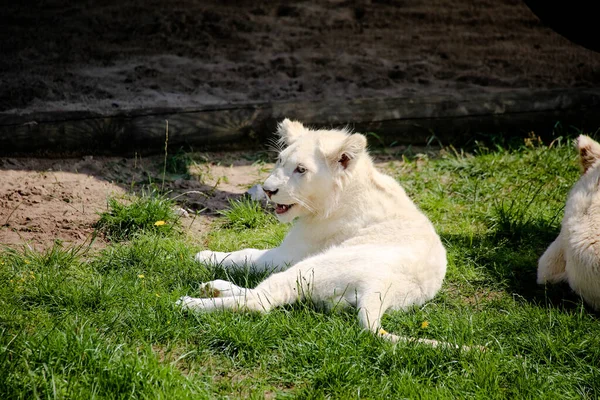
(300, 169)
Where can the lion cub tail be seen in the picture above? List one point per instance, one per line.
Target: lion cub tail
(430, 342)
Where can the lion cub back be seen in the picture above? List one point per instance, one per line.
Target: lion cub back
(577, 249)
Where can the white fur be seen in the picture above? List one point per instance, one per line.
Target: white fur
(357, 239)
(575, 254)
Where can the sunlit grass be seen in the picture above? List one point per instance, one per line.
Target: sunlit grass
(76, 324)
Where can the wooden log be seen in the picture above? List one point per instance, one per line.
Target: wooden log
(450, 119)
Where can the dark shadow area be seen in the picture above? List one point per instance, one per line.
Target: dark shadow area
(510, 258)
(574, 20)
(101, 77)
(118, 55)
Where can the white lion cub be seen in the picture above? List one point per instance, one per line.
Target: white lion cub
(575, 254)
(357, 239)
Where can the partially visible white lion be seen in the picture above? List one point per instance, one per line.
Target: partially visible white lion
(357, 239)
(575, 254)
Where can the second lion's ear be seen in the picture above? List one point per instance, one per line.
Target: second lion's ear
(350, 149)
(589, 152)
(289, 131)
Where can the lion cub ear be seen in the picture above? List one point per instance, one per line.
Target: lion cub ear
(351, 148)
(289, 131)
(589, 152)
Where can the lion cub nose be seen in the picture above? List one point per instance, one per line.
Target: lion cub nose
(270, 192)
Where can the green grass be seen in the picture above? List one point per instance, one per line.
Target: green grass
(77, 324)
(246, 214)
(150, 212)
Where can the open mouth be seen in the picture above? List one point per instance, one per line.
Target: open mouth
(283, 208)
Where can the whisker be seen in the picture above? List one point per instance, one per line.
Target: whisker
(274, 146)
(281, 143)
(272, 149)
(304, 203)
(301, 201)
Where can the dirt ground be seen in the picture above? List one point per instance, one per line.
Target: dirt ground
(109, 56)
(43, 200)
(113, 55)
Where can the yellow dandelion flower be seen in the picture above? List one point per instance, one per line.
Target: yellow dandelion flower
(157, 294)
(159, 223)
(11, 281)
(382, 332)
(141, 276)
(424, 324)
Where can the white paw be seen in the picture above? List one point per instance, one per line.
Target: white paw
(221, 288)
(184, 301)
(195, 303)
(210, 257)
(199, 304)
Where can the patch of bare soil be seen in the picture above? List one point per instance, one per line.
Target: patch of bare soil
(43, 200)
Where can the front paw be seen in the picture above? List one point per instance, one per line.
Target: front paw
(196, 304)
(210, 257)
(220, 288)
(185, 302)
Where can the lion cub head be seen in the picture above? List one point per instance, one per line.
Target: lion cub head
(312, 169)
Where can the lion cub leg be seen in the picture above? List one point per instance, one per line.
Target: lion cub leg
(278, 289)
(224, 295)
(250, 300)
(262, 260)
(551, 266)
